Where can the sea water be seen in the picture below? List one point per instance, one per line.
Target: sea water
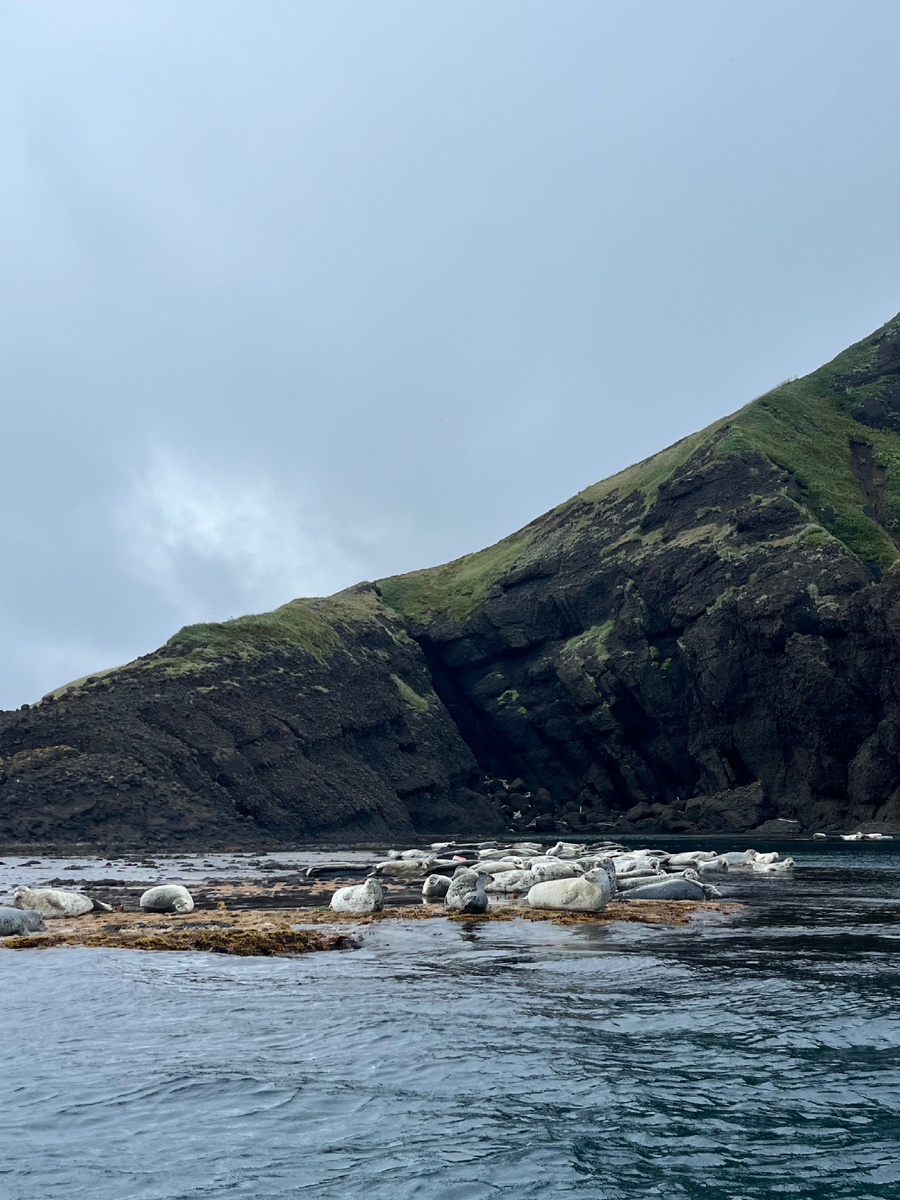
(734, 1058)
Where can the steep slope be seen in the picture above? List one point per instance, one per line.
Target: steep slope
(317, 719)
(707, 641)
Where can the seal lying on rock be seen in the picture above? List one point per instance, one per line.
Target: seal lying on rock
(512, 881)
(668, 889)
(16, 921)
(436, 887)
(496, 867)
(168, 897)
(466, 892)
(365, 897)
(690, 858)
(52, 902)
(405, 868)
(739, 858)
(773, 868)
(589, 893)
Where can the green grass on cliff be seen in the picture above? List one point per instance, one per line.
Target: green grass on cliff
(803, 426)
(647, 475)
(294, 626)
(455, 588)
(799, 428)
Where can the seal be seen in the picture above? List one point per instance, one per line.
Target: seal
(405, 868)
(436, 887)
(512, 881)
(466, 892)
(16, 921)
(565, 850)
(773, 868)
(637, 864)
(629, 883)
(363, 898)
(690, 858)
(668, 889)
(167, 897)
(53, 902)
(494, 867)
(713, 864)
(589, 893)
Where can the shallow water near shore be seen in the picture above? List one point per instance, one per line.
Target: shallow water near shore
(743, 1057)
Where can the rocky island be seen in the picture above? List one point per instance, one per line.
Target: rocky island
(706, 642)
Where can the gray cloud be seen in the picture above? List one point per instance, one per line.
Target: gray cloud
(200, 540)
(299, 293)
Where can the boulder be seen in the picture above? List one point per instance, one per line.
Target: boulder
(733, 811)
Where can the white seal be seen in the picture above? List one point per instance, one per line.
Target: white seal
(773, 868)
(405, 868)
(167, 897)
(362, 898)
(436, 887)
(589, 893)
(52, 902)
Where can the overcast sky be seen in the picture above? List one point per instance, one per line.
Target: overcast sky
(302, 292)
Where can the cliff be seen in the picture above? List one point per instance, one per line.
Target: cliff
(707, 641)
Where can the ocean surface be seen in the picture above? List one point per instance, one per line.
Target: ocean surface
(754, 1056)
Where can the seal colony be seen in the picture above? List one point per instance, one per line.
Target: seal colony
(570, 877)
(566, 883)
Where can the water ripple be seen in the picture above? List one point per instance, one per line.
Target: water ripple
(729, 1061)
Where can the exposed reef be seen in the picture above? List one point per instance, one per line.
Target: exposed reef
(243, 933)
(706, 642)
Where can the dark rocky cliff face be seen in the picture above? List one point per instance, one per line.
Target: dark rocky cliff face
(708, 641)
(318, 720)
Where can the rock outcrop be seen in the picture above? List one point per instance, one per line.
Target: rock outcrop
(707, 641)
(316, 720)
